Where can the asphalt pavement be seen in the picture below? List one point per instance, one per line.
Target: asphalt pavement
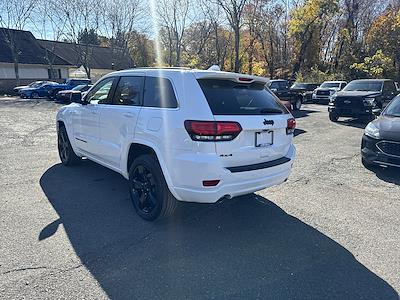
(330, 232)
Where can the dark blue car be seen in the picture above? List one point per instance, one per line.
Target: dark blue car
(37, 91)
(68, 85)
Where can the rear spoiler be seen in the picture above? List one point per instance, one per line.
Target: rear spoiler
(240, 78)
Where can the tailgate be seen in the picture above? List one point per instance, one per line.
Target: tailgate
(263, 138)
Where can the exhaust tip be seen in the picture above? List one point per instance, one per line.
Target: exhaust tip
(223, 198)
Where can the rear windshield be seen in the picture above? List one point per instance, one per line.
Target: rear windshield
(226, 97)
(330, 85)
(305, 86)
(373, 86)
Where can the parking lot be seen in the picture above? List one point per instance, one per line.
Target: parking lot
(330, 232)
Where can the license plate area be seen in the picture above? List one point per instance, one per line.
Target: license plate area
(264, 138)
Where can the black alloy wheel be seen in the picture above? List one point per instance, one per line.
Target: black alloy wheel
(149, 192)
(144, 189)
(65, 151)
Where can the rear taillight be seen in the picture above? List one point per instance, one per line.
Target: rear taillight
(211, 131)
(291, 126)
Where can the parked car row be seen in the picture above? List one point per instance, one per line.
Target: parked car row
(51, 90)
(299, 93)
(364, 98)
(155, 126)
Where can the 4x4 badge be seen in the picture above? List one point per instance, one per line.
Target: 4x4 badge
(268, 122)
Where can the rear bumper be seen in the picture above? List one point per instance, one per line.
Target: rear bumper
(231, 184)
(371, 154)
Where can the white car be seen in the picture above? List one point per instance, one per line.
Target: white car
(180, 134)
(323, 93)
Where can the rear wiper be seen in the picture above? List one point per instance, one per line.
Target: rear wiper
(271, 111)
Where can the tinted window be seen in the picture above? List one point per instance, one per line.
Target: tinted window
(274, 85)
(129, 91)
(226, 97)
(368, 85)
(283, 85)
(78, 81)
(299, 86)
(78, 88)
(101, 92)
(305, 86)
(393, 109)
(390, 87)
(330, 85)
(158, 92)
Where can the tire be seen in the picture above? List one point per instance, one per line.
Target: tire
(297, 104)
(148, 189)
(34, 95)
(65, 151)
(333, 117)
(53, 94)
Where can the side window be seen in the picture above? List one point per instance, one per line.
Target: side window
(390, 87)
(158, 92)
(282, 85)
(100, 94)
(274, 85)
(129, 91)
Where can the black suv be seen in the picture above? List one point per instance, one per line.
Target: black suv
(281, 88)
(361, 97)
(305, 89)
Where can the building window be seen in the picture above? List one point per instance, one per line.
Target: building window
(54, 73)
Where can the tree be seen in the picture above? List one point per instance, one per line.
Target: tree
(384, 36)
(88, 36)
(305, 28)
(14, 14)
(82, 18)
(49, 26)
(268, 35)
(378, 65)
(234, 11)
(119, 22)
(173, 16)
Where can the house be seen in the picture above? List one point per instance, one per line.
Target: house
(43, 59)
(93, 59)
(34, 62)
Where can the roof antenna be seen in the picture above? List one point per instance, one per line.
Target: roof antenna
(214, 68)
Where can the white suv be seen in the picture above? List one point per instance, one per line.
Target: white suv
(180, 134)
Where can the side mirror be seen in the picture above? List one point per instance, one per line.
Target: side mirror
(77, 98)
(377, 111)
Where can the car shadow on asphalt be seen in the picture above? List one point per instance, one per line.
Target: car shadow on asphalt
(298, 132)
(303, 113)
(354, 122)
(246, 248)
(389, 174)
